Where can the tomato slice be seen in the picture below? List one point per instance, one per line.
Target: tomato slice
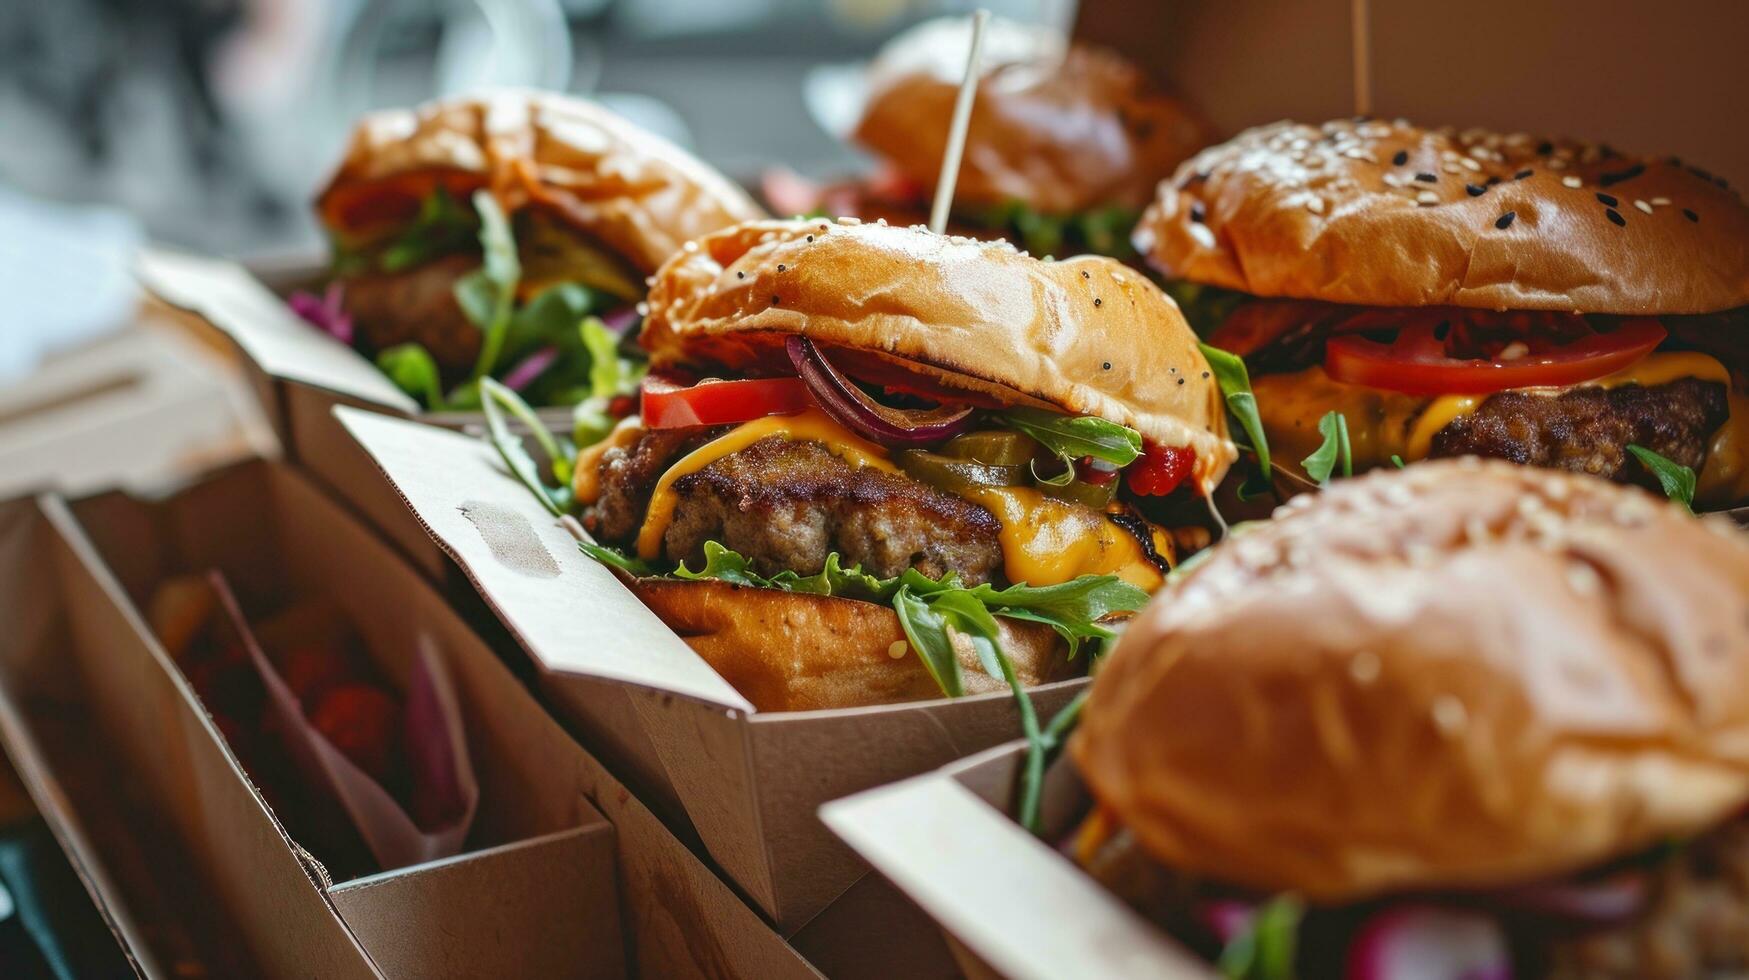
(669, 405)
(1417, 362)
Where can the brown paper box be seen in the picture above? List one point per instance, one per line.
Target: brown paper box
(749, 782)
(1011, 905)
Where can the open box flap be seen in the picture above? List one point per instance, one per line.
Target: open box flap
(279, 342)
(568, 610)
(1021, 907)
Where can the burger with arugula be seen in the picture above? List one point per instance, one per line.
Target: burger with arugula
(1065, 145)
(1550, 302)
(1465, 720)
(473, 236)
(874, 464)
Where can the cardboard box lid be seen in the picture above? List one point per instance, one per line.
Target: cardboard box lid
(568, 610)
(1020, 906)
(277, 340)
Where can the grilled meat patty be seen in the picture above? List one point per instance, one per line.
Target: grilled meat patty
(417, 305)
(787, 504)
(1588, 430)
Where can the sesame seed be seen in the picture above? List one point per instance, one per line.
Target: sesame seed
(1491, 181)
(1572, 182)
(1426, 198)
(690, 246)
(1643, 206)
(1505, 220)
(1426, 178)
(1475, 190)
(1401, 158)
(1451, 168)
(1085, 274)
(1449, 713)
(897, 649)
(774, 300)
(1205, 374)
(1690, 215)
(740, 275)
(1180, 380)
(1556, 163)
(1315, 205)
(1197, 212)
(1469, 164)
(810, 238)
(1364, 668)
(1544, 148)
(1617, 176)
(1607, 200)
(1615, 216)
(1098, 302)
(1106, 366)
(1659, 202)
(780, 267)
(1521, 175)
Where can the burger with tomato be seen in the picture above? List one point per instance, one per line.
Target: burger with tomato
(1066, 140)
(1550, 302)
(473, 236)
(1466, 720)
(874, 464)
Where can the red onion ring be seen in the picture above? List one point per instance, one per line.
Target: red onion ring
(326, 312)
(1431, 942)
(852, 408)
(1602, 902)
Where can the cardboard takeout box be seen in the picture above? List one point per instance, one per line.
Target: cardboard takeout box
(1011, 905)
(749, 782)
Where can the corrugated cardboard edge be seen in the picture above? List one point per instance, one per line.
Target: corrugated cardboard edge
(567, 610)
(1018, 905)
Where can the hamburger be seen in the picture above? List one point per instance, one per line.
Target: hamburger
(471, 236)
(1468, 719)
(870, 463)
(1549, 302)
(1065, 145)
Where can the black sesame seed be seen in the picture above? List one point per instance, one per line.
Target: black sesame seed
(780, 267)
(1616, 217)
(1205, 374)
(1401, 158)
(1098, 302)
(1426, 178)
(740, 275)
(1106, 365)
(1197, 212)
(1608, 200)
(1690, 215)
(1545, 148)
(1698, 172)
(774, 300)
(1617, 176)
(1180, 380)
(1491, 181)
(1085, 275)
(1521, 175)
(1505, 220)
(1476, 190)
(810, 238)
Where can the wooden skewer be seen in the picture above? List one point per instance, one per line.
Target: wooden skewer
(1361, 28)
(956, 135)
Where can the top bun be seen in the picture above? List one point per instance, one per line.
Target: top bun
(632, 190)
(1062, 132)
(1459, 674)
(1084, 335)
(1389, 214)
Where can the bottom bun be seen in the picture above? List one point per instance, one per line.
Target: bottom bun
(790, 651)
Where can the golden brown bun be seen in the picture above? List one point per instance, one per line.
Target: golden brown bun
(630, 189)
(789, 651)
(1089, 133)
(1464, 673)
(984, 317)
(1326, 213)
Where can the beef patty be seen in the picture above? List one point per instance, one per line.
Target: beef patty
(1588, 430)
(417, 306)
(787, 504)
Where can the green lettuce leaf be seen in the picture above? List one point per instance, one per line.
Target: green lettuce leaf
(412, 369)
(1335, 447)
(1677, 480)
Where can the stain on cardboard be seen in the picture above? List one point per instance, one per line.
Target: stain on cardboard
(511, 539)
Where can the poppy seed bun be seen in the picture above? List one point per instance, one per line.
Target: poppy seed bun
(1464, 673)
(791, 651)
(632, 190)
(1085, 335)
(1505, 222)
(1061, 132)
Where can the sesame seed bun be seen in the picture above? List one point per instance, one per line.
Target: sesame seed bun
(1389, 214)
(1061, 132)
(1086, 335)
(790, 651)
(633, 191)
(1458, 674)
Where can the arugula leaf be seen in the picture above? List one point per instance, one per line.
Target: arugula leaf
(555, 499)
(1334, 428)
(926, 629)
(488, 294)
(1677, 480)
(1072, 608)
(1235, 383)
(1267, 947)
(561, 455)
(1397, 461)
(550, 318)
(412, 369)
(613, 558)
(1074, 436)
(442, 226)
